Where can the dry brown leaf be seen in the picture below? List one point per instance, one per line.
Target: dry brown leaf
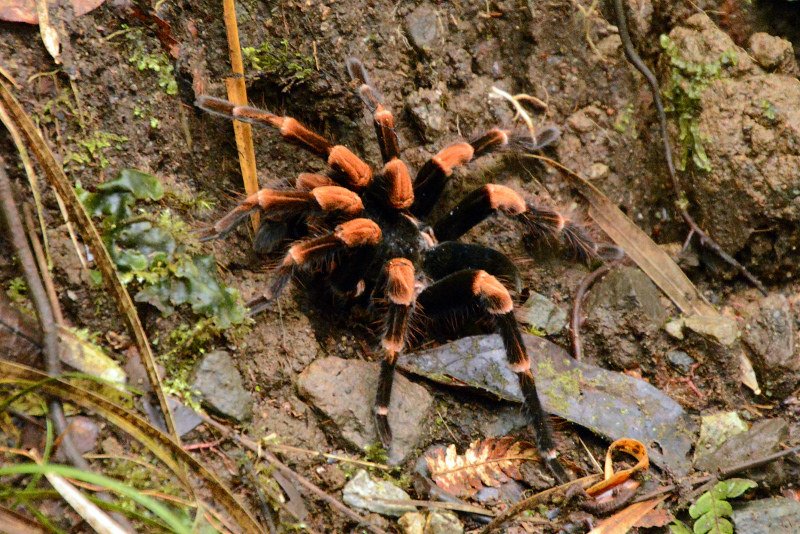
(658, 517)
(25, 10)
(486, 463)
(612, 478)
(623, 521)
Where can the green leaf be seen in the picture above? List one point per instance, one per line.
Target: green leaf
(140, 184)
(708, 524)
(96, 277)
(712, 508)
(154, 253)
(679, 527)
(733, 487)
(708, 503)
(115, 206)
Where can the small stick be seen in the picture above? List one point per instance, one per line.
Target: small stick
(576, 307)
(289, 448)
(16, 234)
(38, 252)
(284, 469)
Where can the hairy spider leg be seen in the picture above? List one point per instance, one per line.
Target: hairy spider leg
(382, 117)
(466, 288)
(399, 291)
(397, 191)
(544, 222)
(271, 233)
(538, 220)
(435, 173)
(449, 257)
(307, 181)
(312, 253)
(278, 205)
(475, 207)
(350, 170)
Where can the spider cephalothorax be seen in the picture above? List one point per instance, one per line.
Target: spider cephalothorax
(381, 244)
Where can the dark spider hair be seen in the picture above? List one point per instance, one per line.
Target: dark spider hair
(383, 247)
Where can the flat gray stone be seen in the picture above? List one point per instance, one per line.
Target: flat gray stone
(443, 522)
(422, 26)
(368, 494)
(770, 334)
(614, 405)
(220, 385)
(344, 391)
(539, 312)
(768, 516)
(721, 329)
(762, 439)
(715, 429)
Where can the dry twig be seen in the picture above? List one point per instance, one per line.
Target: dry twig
(38, 294)
(290, 473)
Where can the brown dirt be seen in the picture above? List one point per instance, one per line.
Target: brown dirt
(537, 48)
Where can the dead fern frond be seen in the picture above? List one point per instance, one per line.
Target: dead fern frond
(486, 463)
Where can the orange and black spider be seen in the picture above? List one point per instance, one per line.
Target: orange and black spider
(383, 247)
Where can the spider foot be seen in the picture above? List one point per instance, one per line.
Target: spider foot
(206, 234)
(382, 426)
(554, 466)
(544, 138)
(258, 304)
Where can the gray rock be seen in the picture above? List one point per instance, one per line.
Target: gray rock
(344, 390)
(539, 312)
(186, 419)
(216, 379)
(681, 361)
(628, 288)
(426, 108)
(722, 330)
(83, 431)
(767, 516)
(715, 429)
(762, 439)
(422, 26)
(367, 494)
(443, 522)
(623, 313)
(770, 334)
(412, 523)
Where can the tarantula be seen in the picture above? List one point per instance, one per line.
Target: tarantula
(382, 246)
